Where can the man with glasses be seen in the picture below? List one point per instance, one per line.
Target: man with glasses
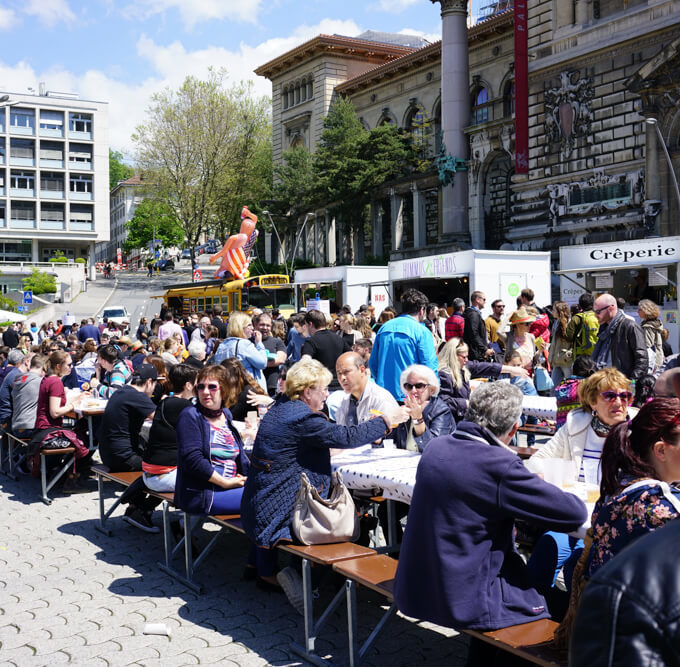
(474, 334)
(492, 322)
(276, 351)
(621, 342)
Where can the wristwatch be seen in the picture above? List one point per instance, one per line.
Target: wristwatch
(415, 422)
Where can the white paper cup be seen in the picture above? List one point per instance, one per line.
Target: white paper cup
(157, 629)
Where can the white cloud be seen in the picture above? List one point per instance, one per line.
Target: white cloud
(429, 36)
(196, 11)
(171, 64)
(49, 12)
(8, 18)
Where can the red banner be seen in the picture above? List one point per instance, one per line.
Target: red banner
(521, 88)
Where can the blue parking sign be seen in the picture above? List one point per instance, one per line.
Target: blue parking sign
(28, 297)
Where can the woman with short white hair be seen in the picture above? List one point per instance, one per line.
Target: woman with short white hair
(429, 414)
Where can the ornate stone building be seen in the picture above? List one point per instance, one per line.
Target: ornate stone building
(604, 100)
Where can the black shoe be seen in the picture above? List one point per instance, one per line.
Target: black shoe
(142, 520)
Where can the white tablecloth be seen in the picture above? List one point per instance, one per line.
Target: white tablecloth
(543, 407)
(367, 468)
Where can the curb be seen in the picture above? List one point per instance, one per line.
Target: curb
(108, 298)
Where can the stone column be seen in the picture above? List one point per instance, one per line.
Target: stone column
(582, 11)
(35, 250)
(330, 239)
(652, 189)
(419, 233)
(396, 212)
(455, 104)
(376, 225)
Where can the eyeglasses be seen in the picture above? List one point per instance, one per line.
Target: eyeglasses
(499, 306)
(418, 385)
(212, 387)
(610, 396)
(599, 310)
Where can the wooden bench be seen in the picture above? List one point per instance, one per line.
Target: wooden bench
(538, 429)
(376, 572)
(47, 484)
(531, 641)
(123, 479)
(320, 554)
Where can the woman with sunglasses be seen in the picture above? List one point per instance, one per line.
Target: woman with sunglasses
(429, 415)
(606, 399)
(211, 463)
(640, 489)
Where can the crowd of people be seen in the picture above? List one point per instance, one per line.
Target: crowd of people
(240, 406)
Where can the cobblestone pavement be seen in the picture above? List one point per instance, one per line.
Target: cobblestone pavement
(69, 594)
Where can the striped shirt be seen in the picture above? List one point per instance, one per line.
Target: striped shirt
(223, 451)
(591, 458)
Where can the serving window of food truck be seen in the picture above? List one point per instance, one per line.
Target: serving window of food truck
(632, 270)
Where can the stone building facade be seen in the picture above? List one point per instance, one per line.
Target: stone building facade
(604, 100)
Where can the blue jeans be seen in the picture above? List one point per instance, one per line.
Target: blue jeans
(552, 552)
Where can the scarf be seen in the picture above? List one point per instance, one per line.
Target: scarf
(600, 427)
(207, 412)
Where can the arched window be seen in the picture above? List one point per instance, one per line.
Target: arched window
(284, 96)
(386, 118)
(480, 106)
(310, 87)
(297, 93)
(418, 126)
(303, 91)
(509, 99)
(291, 96)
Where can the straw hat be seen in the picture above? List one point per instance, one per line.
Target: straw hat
(136, 345)
(520, 316)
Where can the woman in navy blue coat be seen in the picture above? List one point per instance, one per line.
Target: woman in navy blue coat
(211, 463)
(295, 437)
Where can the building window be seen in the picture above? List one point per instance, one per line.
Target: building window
(2, 149)
(22, 148)
(509, 100)
(80, 217)
(310, 88)
(79, 183)
(21, 118)
(418, 127)
(81, 153)
(284, 96)
(52, 213)
(51, 182)
(80, 122)
(23, 210)
(303, 92)
(52, 150)
(2, 212)
(22, 180)
(51, 120)
(480, 107)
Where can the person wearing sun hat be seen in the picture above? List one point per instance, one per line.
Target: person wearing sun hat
(137, 354)
(519, 339)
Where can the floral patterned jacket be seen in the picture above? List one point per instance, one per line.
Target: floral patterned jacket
(640, 507)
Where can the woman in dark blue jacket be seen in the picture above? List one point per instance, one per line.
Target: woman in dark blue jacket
(429, 415)
(295, 437)
(211, 463)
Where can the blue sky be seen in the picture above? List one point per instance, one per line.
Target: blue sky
(122, 51)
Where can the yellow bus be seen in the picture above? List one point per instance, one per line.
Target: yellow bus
(266, 292)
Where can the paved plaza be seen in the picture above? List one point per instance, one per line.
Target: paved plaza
(69, 594)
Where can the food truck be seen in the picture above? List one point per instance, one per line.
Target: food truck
(633, 270)
(500, 274)
(353, 285)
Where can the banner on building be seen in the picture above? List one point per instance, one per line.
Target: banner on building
(521, 88)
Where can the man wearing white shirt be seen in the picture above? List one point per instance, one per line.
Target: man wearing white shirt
(362, 394)
(200, 332)
(169, 328)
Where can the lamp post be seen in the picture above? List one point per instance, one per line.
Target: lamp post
(278, 238)
(297, 240)
(652, 122)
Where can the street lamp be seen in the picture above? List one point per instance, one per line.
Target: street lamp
(297, 240)
(653, 122)
(5, 102)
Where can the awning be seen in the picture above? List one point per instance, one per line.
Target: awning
(615, 267)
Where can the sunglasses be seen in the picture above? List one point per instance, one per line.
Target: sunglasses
(611, 396)
(599, 310)
(212, 387)
(418, 385)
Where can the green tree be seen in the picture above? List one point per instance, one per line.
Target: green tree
(153, 217)
(40, 282)
(186, 147)
(118, 170)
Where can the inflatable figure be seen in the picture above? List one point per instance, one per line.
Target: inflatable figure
(235, 253)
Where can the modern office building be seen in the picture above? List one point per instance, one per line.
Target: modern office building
(54, 176)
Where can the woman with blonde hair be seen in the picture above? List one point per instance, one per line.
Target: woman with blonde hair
(296, 437)
(652, 327)
(347, 329)
(456, 370)
(252, 355)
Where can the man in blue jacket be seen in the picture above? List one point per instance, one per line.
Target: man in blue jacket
(458, 566)
(401, 342)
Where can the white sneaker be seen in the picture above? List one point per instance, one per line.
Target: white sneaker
(291, 583)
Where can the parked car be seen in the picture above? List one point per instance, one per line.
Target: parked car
(165, 265)
(186, 253)
(117, 314)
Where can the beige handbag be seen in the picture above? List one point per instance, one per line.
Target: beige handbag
(319, 521)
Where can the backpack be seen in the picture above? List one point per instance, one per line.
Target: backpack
(586, 336)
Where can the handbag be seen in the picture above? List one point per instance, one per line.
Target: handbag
(319, 521)
(542, 379)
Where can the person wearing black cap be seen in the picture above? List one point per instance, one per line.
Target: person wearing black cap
(118, 436)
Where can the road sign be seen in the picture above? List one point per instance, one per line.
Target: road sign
(28, 297)
(22, 309)
(197, 275)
